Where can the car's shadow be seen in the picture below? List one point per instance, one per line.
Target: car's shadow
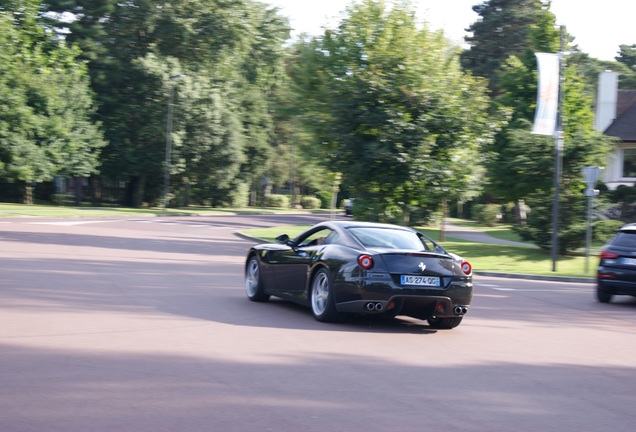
(281, 313)
(277, 313)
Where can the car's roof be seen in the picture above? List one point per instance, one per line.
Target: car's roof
(356, 224)
(343, 226)
(631, 227)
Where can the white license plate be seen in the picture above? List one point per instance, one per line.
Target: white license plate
(420, 280)
(628, 261)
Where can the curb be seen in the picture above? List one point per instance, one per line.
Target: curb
(537, 277)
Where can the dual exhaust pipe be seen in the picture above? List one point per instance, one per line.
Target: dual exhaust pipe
(460, 310)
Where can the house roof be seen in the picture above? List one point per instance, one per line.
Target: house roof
(624, 126)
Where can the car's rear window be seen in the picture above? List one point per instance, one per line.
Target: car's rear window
(389, 238)
(625, 239)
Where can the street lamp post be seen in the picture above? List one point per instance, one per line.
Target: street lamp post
(166, 176)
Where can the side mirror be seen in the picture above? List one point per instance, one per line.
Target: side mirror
(283, 239)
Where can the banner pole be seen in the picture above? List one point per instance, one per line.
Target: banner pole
(558, 155)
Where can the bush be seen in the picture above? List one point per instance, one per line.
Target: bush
(487, 214)
(325, 199)
(623, 194)
(603, 230)
(365, 209)
(277, 200)
(240, 195)
(572, 220)
(509, 213)
(310, 202)
(63, 199)
(572, 237)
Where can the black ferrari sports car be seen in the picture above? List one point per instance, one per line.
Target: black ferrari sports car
(347, 267)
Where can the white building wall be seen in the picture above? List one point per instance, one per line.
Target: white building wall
(606, 100)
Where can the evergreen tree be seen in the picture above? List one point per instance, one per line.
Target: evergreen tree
(507, 28)
(627, 57)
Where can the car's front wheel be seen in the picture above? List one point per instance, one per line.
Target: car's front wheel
(323, 305)
(444, 323)
(602, 295)
(254, 281)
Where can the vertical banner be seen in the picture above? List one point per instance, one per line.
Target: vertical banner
(545, 118)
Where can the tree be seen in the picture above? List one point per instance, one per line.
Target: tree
(232, 50)
(392, 110)
(210, 147)
(627, 57)
(583, 146)
(46, 128)
(523, 165)
(507, 28)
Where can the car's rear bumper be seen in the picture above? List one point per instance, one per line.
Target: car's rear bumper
(616, 280)
(617, 286)
(375, 297)
(415, 306)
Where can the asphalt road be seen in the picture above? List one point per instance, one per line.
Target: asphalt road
(142, 325)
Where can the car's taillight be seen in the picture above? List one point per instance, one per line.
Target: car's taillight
(608, 255)
(365, 261)
(466, 267)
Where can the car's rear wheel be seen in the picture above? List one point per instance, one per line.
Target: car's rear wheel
(602, 295)
(254, 281)
(444, 323)
(323, 305)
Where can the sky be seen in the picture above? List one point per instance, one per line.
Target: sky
(599, 26)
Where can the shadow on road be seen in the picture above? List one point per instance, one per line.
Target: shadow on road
(78, 390)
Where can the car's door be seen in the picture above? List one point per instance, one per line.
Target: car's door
(293, 265)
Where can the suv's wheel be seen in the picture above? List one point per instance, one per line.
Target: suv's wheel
(602, 295)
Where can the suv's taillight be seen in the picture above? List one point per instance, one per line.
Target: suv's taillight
(608, 255)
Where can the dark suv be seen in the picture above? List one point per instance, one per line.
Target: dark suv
(616, 273)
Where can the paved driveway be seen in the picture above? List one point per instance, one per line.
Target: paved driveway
(466, 233)
(142, 325)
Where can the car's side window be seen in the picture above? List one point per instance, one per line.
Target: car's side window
(428, 245)
(316, 238)
(332, 238)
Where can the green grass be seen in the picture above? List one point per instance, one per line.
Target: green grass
(482, 256)
(269, 234)
(520, 260)
(502, 231)
(505, 232)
